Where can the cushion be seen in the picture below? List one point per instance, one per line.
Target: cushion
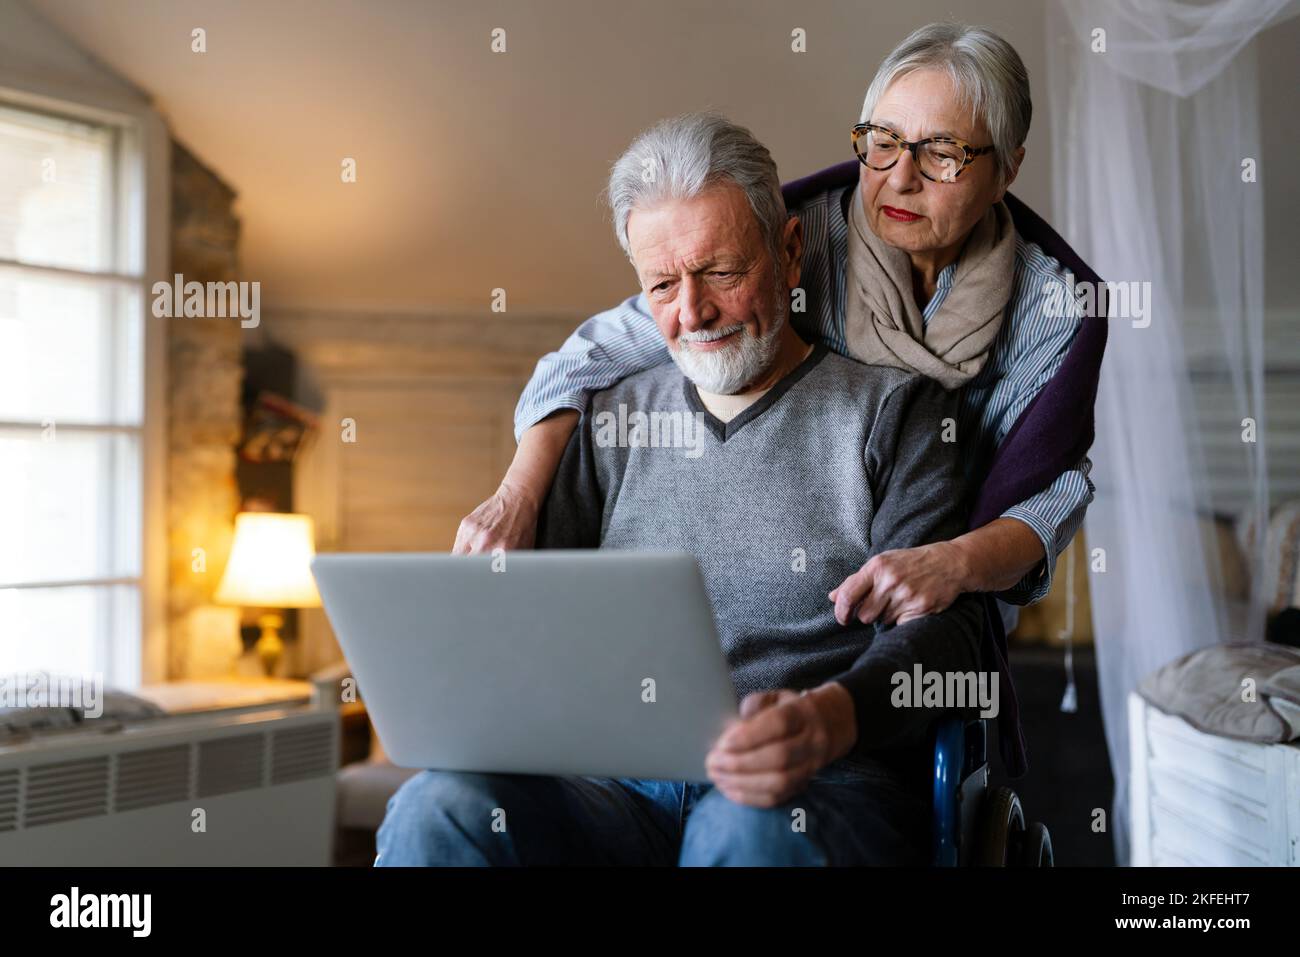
(41, 705)
(1284, 684)
(364, 789)
(1205, 689)
(1280, 578)
(1282, 565)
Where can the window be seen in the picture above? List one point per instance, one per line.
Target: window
(71, 396)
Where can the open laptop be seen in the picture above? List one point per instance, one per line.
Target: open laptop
(591, 662)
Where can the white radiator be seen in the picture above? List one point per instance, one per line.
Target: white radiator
(261, 784)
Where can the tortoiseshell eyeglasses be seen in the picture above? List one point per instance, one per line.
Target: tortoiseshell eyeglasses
(938, 158)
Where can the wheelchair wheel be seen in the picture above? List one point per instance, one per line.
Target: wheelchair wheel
(1036, 847)
(1002, 828)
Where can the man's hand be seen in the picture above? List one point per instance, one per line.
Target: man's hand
(506, 520)
(899, 585)
(780, 741)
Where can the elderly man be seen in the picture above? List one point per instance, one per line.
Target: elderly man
(808, 464)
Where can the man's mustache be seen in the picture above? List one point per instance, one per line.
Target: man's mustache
(709, 335)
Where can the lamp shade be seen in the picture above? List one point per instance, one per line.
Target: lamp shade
(270, 562)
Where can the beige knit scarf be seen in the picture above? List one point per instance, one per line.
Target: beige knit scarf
(884, 325)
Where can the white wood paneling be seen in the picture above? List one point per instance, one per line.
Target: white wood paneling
(426, 454)
(1228, 460)
(432, 402)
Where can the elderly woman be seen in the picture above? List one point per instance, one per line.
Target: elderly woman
(918, 267)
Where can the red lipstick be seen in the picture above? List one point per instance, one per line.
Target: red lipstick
(901, 215)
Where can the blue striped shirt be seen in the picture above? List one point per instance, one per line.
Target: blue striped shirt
(1028, 350)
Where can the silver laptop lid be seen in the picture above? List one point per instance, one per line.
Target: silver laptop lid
(548, 662)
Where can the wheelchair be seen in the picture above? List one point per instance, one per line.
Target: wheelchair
(973, 826)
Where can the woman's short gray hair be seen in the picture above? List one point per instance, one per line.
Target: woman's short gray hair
(681, 157)
(986, 70)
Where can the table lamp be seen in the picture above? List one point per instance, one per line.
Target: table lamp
(269, 568)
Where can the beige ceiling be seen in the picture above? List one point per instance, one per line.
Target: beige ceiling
(479, 170)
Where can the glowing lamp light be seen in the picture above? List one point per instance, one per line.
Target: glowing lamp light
(269, 567)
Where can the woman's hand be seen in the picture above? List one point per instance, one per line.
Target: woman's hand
(506, 520)
(902, 584)
(509, 518)
(780, 741)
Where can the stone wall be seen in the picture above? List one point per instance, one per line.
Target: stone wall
(204, 378)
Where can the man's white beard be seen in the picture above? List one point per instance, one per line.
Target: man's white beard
(728, 370)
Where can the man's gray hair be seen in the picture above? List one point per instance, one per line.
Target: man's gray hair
(681, 157)
(986, 71)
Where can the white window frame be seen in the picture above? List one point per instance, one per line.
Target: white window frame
(144, 211)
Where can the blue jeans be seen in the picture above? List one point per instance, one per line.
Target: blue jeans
(851, 813)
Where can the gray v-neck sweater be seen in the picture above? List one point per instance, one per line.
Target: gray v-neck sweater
(835, 463)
